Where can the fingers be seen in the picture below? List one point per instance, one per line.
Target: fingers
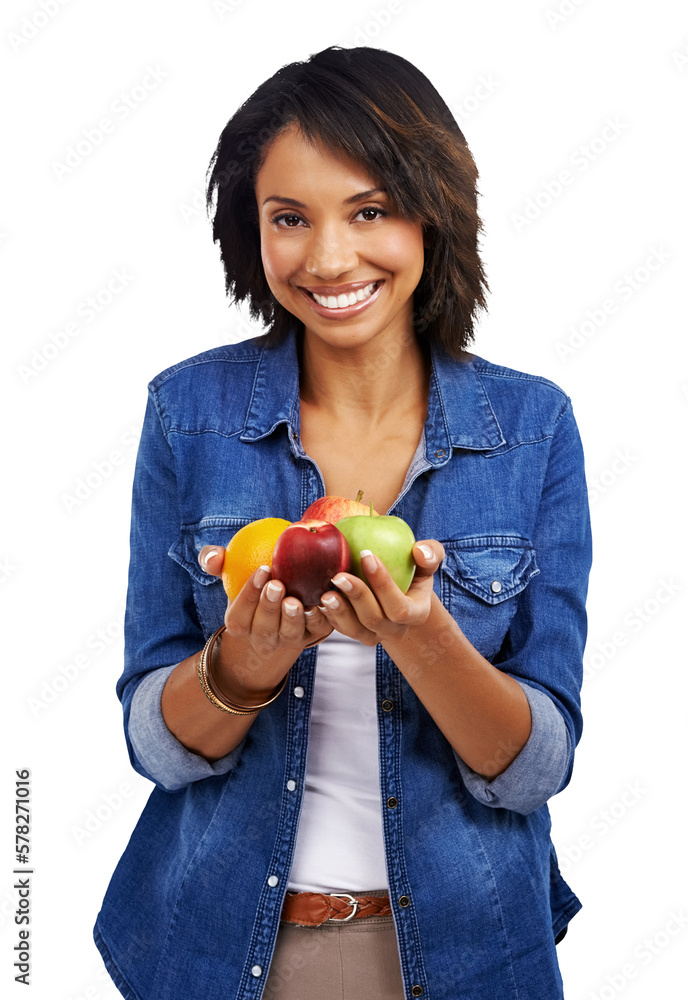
(211, 558)
(240, 611)
(264, 612)
(428, 555)
(380, 608)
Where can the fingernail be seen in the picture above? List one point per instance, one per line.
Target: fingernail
(291, 607)
(207, 557)
(261, 577)
(342, 583)
(426, 550)
(330, 602)
(369, 561)
(273, 592)
(309, 614)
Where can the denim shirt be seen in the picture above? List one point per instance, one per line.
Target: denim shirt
(193, 907)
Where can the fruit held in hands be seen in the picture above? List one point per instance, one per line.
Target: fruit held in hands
(306, 557)
(389, 537)
(250, 548)
(333, 509)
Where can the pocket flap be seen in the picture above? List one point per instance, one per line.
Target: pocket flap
(192, 538)
(493, 567)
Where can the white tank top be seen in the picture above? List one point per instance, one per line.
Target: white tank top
(339, 844)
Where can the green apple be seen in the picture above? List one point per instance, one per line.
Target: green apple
(390, 538)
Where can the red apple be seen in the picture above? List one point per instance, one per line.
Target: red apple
(333, 509)
(306, 557)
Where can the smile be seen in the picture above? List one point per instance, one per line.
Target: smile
(345, 303)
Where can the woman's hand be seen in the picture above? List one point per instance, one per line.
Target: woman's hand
(381, 611)
(265, 633)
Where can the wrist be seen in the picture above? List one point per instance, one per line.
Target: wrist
(233, 687)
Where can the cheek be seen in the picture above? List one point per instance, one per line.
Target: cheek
(403, 252)
(279, 257)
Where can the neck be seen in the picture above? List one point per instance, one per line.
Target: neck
(369, 384)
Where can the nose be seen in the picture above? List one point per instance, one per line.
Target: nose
(330, 254)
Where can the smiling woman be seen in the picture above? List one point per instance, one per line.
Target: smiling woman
(377, 826)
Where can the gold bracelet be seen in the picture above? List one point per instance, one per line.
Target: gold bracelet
(212, 691)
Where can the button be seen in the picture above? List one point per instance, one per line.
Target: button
(273, 880)
(441, 453)
(404, 901)
(495, 586)
(291, 784)
(387, 705)
(295, 435)
(416, 991)
(392, 802)
(299, 692)
(257, 971)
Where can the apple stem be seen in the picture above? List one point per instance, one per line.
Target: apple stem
(371, 508)
(359, 496)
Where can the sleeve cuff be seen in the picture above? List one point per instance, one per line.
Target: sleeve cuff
(167, 760)
(538, 771)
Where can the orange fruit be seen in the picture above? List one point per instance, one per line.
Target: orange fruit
(250, 548)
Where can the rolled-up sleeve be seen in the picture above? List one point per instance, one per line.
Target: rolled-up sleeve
(538, 771)
(161, 625)
(543, 648)
(158, 751)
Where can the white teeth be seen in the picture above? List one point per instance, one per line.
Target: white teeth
(344, 300)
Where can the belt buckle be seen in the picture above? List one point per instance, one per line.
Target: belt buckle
(352, 902)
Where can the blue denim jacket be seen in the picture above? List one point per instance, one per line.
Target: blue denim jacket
(476, 893)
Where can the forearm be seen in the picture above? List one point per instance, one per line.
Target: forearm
(194, 720)
(483, 713)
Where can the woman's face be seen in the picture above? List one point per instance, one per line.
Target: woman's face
(335, 254)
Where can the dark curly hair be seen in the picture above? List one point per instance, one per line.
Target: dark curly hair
(379, 110)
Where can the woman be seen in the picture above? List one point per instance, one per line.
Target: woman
(378, 827)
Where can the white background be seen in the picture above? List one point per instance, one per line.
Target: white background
(535, 92)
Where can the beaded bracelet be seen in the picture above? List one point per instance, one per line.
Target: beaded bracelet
(212, 691)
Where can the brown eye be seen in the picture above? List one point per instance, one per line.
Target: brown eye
(371, 213)
(291, 220)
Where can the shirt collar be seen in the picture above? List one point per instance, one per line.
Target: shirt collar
(460, 414)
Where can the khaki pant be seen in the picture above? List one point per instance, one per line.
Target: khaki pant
(336, 961)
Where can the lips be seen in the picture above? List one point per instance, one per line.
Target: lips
(342, 300)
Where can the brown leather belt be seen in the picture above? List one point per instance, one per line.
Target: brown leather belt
(310, 909)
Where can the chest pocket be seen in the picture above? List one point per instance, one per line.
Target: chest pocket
(208, 593)
(480, 580)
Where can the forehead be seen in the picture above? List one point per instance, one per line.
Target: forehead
(292, 160)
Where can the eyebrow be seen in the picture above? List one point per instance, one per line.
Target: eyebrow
(348, 201)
